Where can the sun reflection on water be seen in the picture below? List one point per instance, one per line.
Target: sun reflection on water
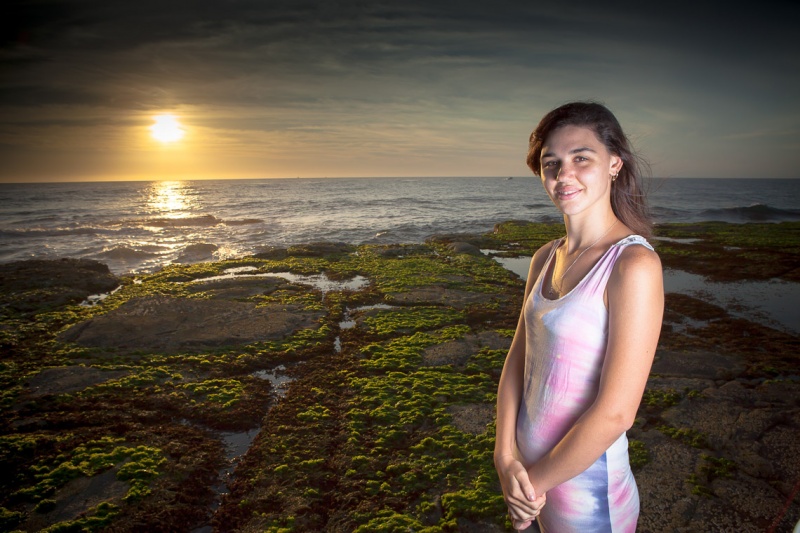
(172, 198)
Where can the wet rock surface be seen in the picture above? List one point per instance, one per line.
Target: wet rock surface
(166, 323)
(67, 379)
(714, 453)
(33, 285)
(460, 299)
(79, 496)
(472, 418)
(392, 428)
(458, 352)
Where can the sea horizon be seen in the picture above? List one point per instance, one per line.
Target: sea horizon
(519, 176)
(140, 226)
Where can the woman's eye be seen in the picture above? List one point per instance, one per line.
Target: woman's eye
(580, 159)
(549, 164)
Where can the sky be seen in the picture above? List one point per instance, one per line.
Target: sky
(271, 89)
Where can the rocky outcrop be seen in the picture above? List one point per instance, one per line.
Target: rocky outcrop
(458, 352)
(456, 298)
(722, 448)
(368, 415)
(164, 323)
(68, 379)
(30, 286)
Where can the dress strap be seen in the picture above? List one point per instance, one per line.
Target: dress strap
(546, 266)
(634, 239)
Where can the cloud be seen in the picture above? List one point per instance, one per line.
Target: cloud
(371, 79)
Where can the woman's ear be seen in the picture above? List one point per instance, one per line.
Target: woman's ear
(616, 164)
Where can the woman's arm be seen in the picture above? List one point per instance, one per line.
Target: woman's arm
(635, 296)
(517, 488)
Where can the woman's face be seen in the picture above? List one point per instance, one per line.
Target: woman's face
(576, 170)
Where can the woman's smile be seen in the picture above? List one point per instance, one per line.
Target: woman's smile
(566, 193)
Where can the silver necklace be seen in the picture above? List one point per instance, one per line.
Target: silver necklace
(556, 289)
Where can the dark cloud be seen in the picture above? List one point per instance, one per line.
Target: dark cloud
(264, 65)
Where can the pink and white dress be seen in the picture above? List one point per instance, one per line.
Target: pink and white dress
(566, 347)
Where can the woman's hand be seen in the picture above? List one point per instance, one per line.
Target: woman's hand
(518, 492)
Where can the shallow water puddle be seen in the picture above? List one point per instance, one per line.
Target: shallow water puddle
(320, 282)
(237, 443)
(517, 265)
(771, 303)
(239, 270)
(348, 322)
(94, 299)
(686, 240)
(277, 379)
(685, 323)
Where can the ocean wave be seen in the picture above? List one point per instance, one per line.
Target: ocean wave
(188, 222)
(666, 214)
(35, 219)
(752, 213)
(58, 232)
(124, 253)
(197, 252)
(243, 222)
(185, 222)
(240, 217)
(549, 218)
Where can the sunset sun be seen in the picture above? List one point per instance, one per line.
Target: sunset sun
(166, 129)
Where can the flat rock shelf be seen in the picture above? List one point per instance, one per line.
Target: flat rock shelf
(362, 382)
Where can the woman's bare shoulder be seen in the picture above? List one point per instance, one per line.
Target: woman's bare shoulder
(637, 264)
(638, 256)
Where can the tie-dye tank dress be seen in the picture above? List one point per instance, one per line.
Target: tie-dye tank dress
(566, 345)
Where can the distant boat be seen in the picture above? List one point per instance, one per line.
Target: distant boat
(509, 178)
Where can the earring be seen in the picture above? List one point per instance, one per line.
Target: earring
(614, 176)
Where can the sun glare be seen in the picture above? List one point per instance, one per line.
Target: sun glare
(167, 129)
(169, 197)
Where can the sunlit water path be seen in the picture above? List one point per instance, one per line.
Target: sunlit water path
(140, 226)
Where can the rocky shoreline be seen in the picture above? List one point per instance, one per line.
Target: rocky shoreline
(115, 415)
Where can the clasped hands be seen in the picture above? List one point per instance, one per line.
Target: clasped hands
(523, 504)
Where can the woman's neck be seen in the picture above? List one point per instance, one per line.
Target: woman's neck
(584, 231)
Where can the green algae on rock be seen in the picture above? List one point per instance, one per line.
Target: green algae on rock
(729, 252)
(387, 422)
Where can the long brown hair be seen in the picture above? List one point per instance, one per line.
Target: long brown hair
(627, 196)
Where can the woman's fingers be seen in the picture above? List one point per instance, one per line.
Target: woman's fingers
(523, 520)
(522, 493)
(519, 513)
(520, 525)
(540, 501)
(516, 514)
(522, 509)
(523, 503)
(525, 485)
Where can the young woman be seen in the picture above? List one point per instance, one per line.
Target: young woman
(586, 337)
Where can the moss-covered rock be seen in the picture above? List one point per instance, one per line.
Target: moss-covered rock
(386, 418)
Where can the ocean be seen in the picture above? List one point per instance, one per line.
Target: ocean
(141, 226)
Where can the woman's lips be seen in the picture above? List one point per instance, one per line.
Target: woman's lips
(567, 193)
